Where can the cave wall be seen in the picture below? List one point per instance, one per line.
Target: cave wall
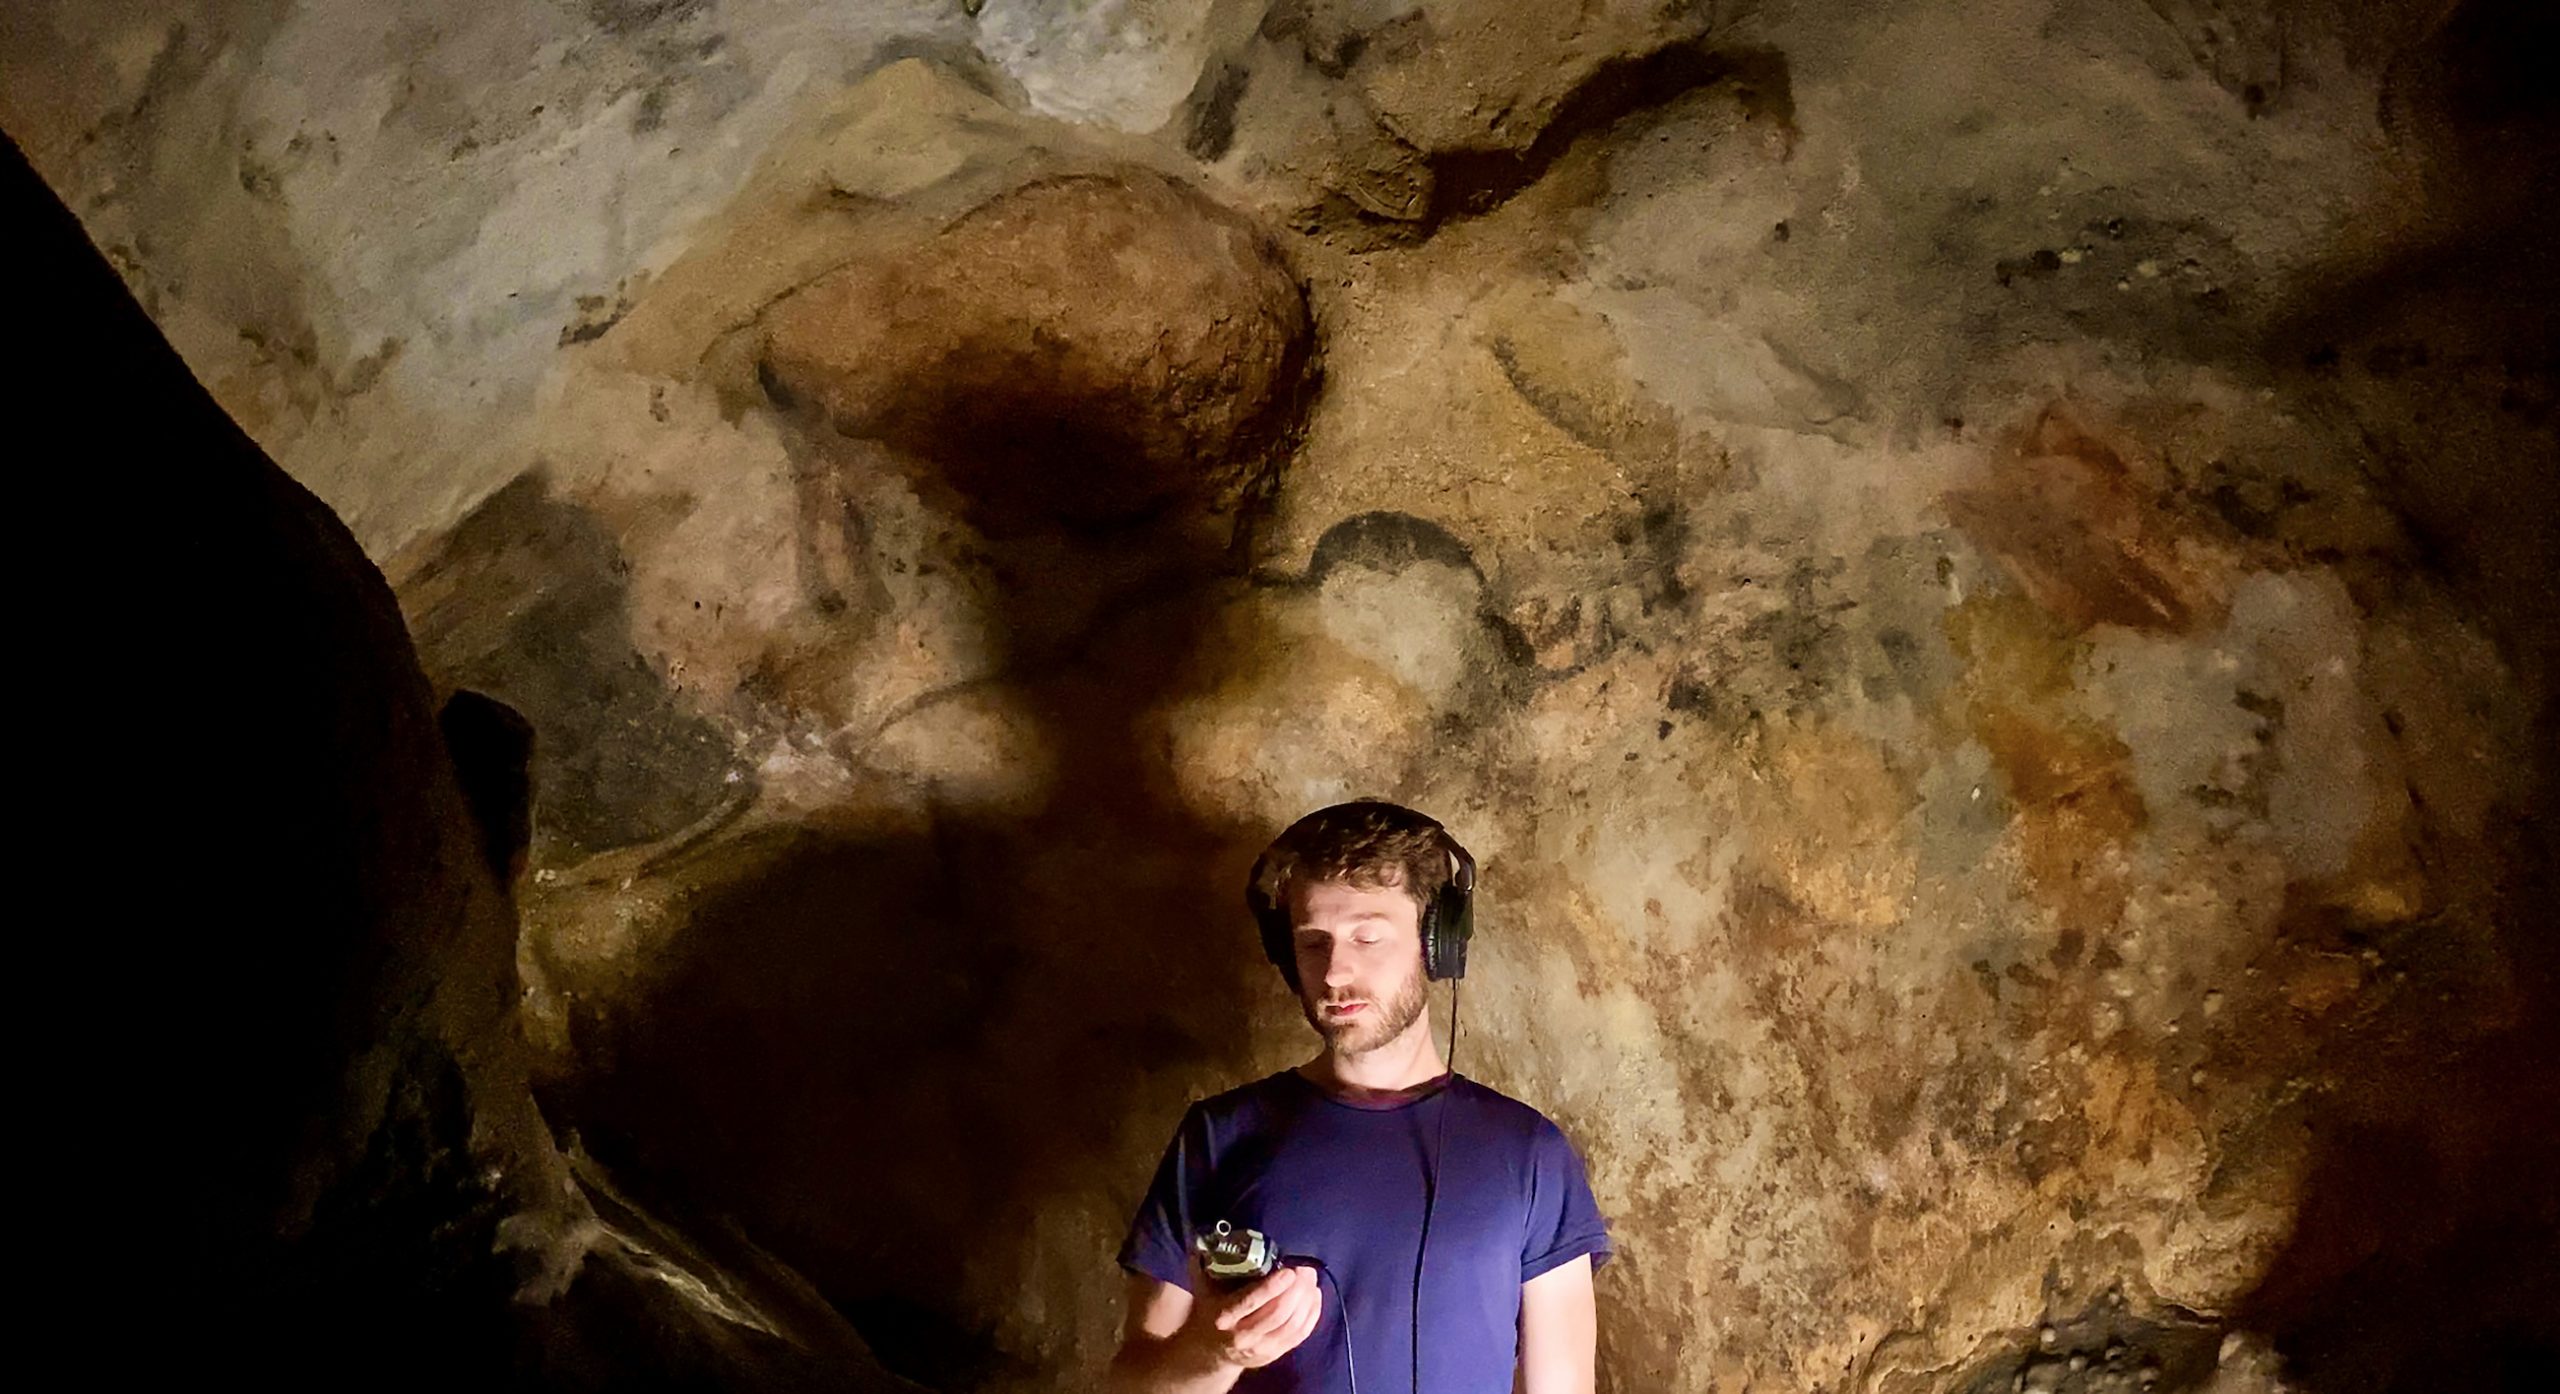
(1977, 576)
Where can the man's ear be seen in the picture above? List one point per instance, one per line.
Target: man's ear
(492, 748)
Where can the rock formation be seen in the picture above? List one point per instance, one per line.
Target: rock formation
(307, 1146)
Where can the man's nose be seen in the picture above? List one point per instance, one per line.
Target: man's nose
(1337, 967)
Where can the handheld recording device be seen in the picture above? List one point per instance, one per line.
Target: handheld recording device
(1233, 1257)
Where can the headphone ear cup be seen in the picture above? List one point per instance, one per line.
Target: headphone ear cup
(1276, 947)
(1271, 921)
(1453, 923)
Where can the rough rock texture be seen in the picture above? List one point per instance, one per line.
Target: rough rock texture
(983, 355)
(1978, 577)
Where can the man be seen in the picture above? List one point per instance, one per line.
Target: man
(1438, 1236)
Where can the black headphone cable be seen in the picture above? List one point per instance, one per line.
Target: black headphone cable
(1431, 1188)
(1350, 1362)
(1453, 1029)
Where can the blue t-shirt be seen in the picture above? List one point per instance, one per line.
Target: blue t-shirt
(1345, 1182)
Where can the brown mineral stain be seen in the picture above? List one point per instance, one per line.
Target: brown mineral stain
(2082, 533)
(2068, 777)
(1767, 926)
(1589, 940)
(2012, 648)
(2077, 809)
(2125, 1109)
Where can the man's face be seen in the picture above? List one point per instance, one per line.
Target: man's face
(1359, 962)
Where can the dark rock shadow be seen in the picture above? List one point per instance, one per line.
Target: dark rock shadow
(2425, 1247)
(258, 1113)
(2425, 1253)
(295, 1138)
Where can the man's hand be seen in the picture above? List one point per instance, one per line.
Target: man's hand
(1259, 1322)
(1180, 1344)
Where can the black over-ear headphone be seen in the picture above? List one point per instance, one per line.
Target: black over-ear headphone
(1448, 918)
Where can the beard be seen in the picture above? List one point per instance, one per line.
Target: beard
(1386, 1020)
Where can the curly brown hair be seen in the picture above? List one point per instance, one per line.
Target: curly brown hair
(1367, 842)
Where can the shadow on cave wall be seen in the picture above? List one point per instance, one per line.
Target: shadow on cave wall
(879, 1056)
(889, 1057)
(882, 1055)
(2425, 1252)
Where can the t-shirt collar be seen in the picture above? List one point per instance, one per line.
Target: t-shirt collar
(1379, 1103)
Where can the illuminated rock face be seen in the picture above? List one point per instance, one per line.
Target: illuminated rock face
(1024, 354)
(1977, 577)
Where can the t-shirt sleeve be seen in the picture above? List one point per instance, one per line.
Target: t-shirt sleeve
(1564, 1220)
(1155, 1246)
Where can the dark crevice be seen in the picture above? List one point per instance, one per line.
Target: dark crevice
(1209, 117)
(2108, 1347)
(1467, 183)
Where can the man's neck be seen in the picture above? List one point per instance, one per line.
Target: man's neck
(1411, 1059)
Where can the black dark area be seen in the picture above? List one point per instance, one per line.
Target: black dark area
(1387, 541)
(492, 747)
(1468, 183)
(1209, 122)
(2495, 60)
(232, 854)
(273, 1122)
(2426, 1254)
(400, 1250)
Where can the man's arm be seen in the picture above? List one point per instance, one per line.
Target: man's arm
(1151, 1360)
(1172, 1345)
(1559, 1330)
